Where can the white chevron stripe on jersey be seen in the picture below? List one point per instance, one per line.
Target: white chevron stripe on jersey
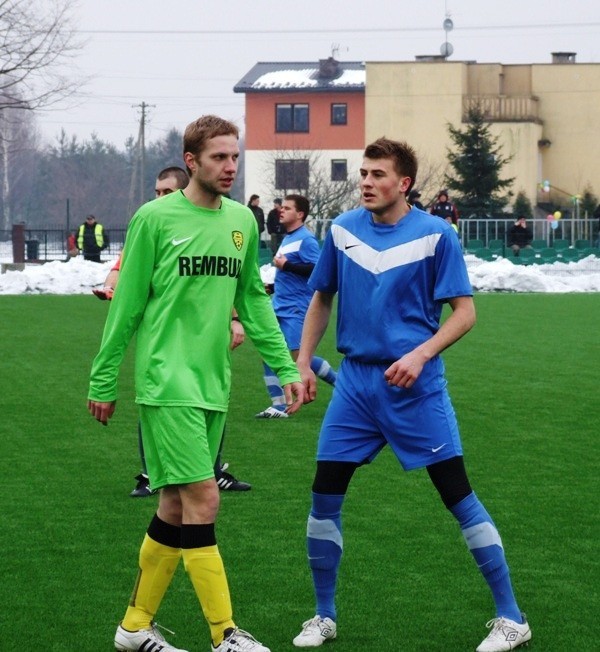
(289, 248)
(377, 262)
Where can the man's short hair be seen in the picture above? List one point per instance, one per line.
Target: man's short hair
(179, 174)
(302, 204)
(402, 154)
(277, 201)
(197, 133)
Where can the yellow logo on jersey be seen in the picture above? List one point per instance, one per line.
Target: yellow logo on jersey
(238, 239)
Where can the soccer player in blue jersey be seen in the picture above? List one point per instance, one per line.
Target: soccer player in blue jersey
(393, 267)
(295, 260)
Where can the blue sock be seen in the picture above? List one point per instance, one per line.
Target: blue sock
(323, 369)
(485, 545)
(274, 388)
(324, 543)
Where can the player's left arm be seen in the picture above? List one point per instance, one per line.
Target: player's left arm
(301, 269)
(405, 371)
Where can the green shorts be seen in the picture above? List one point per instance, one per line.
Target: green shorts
(180, 443)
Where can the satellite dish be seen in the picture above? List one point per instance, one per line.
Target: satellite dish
(448, 25)
(446, 49)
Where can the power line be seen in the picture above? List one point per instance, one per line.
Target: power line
(349, 30)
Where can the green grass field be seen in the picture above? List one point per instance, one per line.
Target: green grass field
(525, 384)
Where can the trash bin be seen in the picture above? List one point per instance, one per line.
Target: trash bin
(32, 249)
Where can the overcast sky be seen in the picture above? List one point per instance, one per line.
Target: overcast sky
(183, 57)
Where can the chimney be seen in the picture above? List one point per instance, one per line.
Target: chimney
(563, 57)
(328, 68)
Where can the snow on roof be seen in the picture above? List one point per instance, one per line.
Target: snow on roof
(308, 76)
(305, 78)
(286, 79)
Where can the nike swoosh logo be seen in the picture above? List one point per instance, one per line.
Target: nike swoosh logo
(178, 242)
(350, 246)
(439, 448)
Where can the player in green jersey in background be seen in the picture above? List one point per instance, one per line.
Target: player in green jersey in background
(189, 258)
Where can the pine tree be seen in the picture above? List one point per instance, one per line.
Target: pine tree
(477, 163)
(588, 202)
(522, 206)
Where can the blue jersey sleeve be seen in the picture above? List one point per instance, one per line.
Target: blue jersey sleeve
(324, 277)
(451, 278)
(309, 250)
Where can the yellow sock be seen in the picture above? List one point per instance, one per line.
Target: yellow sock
(157, 567)
(205, 568)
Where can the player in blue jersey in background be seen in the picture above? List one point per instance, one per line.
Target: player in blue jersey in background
(393, 267)
(295, 260)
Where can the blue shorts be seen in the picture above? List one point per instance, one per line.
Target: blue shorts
(365, 414)
(291, 327)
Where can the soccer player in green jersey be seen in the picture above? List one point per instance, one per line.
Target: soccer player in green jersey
(189, 258)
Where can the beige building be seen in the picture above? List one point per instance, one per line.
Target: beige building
(547, 117)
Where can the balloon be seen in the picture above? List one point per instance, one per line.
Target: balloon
(557, 215)
(550, 217)
(554, 225)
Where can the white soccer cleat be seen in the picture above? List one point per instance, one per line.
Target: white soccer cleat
(505, 635)
(315, 632)
(271, 413)
(142, 640)
(237, 640)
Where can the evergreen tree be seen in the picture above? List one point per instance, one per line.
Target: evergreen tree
(522, 206)
(589, 202)
(477, 162)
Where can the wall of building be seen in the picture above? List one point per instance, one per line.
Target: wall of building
(570, 108)
(260, 169)
(260, 121)
(415, 101)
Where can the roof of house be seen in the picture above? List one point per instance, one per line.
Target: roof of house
(315, 76)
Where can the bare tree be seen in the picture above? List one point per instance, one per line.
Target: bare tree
(430, 179)
(18, 142)
(36, 40)
(308, 174)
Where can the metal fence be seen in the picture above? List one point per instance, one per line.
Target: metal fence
(497, 229)
(491, 229)
(51, 243)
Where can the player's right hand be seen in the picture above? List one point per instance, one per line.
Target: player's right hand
(102, 411)
(294, 397)
(105, 294)
(309, 380)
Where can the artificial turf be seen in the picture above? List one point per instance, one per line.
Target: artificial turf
(524, 383)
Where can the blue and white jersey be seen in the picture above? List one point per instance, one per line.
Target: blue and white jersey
(292, 294)
(391, 280)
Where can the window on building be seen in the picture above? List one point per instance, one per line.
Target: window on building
(339, 114)
(291, 174)
(339, 169)
(291, 117)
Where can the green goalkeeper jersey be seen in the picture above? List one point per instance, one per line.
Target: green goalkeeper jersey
(183, 269)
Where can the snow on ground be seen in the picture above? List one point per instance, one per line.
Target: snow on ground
(79, 276)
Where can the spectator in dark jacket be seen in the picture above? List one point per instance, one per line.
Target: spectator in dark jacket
(274, 226)
(259, 214)
(413, 199)
(520, 235)
(444, 208)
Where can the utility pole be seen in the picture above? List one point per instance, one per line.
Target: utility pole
(140, 157)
